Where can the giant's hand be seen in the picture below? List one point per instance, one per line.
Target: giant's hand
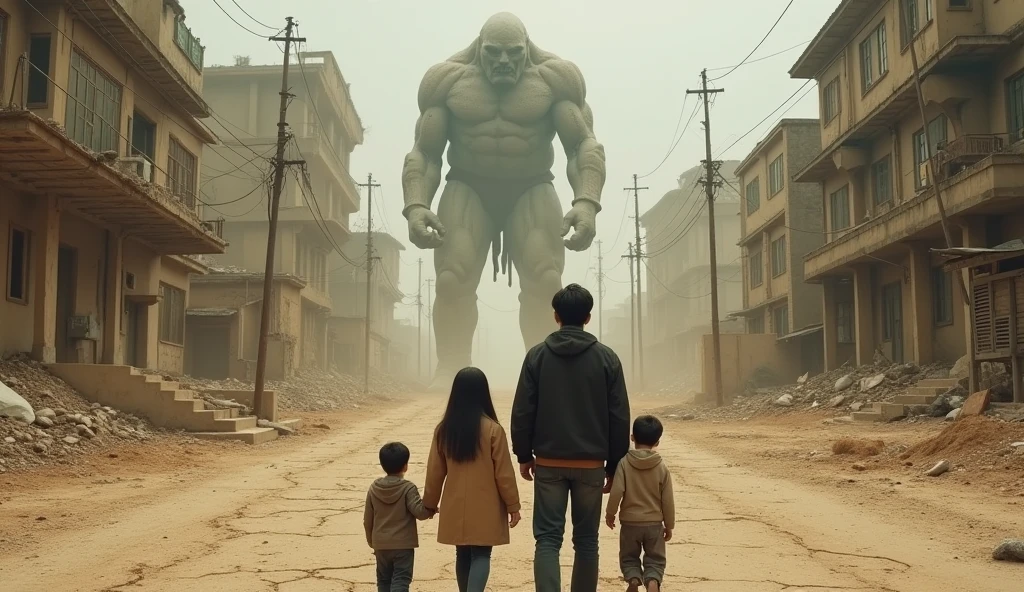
(583, 219)
(425, 228)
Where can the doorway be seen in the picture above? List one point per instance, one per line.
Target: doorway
(132, 321)
(209, 346)
(67, 273)
(892, 319)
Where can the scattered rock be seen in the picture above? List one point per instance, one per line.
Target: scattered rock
(85, 431)
(953, 415)
(856, 406)
(869, 383)
(70, 440)
(46, 412)
(1017, 445)
(84, 420)
(814, 405)
(1009, 550)
(39, 448)
(836, 401)
(940, 406)
(14, 405)
(940, 467)
(281, 429)
(803, 379)
(9, 439)
(785, 401)
(860, 467)
(844, 383)
(45, 422)
(961, 369)
(977, 403)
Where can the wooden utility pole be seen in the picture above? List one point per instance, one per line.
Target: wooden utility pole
(430, 332)
(972, 355)
(600, 292)
(369, 275)
(632, 314)
(419, 321)
(639, 253)
(710, 170)
(275, 203)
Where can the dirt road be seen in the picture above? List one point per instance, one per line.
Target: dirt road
(289, 520)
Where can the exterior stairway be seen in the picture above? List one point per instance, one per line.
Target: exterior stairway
(160, 401)
(923, 393)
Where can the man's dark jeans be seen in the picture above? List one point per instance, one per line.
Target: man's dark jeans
(394, 570)
(553, 488)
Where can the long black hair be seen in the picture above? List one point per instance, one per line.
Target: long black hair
(458, 435)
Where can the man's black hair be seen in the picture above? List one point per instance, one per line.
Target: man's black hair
(393, 457)
(647, 430)
(573, 304)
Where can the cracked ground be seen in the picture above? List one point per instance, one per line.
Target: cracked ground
(289, 519)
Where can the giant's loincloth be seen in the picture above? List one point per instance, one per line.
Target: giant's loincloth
(499, 197)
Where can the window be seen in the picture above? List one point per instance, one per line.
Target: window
(942, 296)
(756, 269)
(1015, 101)
(755, 325)
(38, 70)
(839, 208)
(3, 46)
(172, 315)
(830, 103)
(910, 18)
(844, 322)
(779, 256)
(881, 181)
(960, 4)
(874, 57)
(17, 265)
(93, 116)
(937, 135)
(181, 173)
(780, 320)
(776, 177)
(753, 196)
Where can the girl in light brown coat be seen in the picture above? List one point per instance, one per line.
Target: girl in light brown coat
(469, 459)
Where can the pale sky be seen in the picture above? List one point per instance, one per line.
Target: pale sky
(638, 58)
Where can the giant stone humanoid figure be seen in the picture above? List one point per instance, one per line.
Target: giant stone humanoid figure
(498, 105)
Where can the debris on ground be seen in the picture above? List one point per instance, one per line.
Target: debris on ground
(281, 428)
(972, 441)
(65, 423)
(857, 447)
(940, 468)
(1009, 550)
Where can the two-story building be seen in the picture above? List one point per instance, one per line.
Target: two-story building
(677, 307)
(316, 199)
(99, 160)
(781, 221)
(882, 290)
(348, 290)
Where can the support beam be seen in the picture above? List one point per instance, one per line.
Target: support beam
(43, 252)
(830, 325)
(113, 304)
(863, 320)
(921, 314)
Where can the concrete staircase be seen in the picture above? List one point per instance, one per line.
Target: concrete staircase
(160, 401)
(923, 393)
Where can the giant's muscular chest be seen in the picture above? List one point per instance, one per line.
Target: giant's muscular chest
(473, 100)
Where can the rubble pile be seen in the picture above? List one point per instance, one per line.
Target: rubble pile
(64, 423)
(683, 382)
(311, 390)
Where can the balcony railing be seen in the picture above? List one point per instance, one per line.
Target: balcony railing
(958, 154)
(216, 227)
(189, 44)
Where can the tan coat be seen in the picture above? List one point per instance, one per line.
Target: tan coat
(643, 486)
(478, 495)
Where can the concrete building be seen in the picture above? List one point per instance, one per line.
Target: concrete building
(315, 203)
(348, 289)
(780, 222)
(677, 305)
(100, 156)
(882, 290)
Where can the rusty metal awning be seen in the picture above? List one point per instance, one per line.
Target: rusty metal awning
(211, 312)
(809, 330)
(963, 257)
(39, 159)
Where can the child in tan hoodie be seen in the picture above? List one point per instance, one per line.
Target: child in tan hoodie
(393, 506)
(643, 486)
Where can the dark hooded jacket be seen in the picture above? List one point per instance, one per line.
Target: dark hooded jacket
(392, 507)
(571, 402)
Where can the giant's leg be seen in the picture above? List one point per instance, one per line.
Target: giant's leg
(535, 243)
(458, 264)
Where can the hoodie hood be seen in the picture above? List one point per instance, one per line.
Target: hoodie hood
(570, 341)
(643, 460)
(389, 489)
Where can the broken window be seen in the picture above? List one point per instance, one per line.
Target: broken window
(172, 315)
(17, 265)
(93, 115)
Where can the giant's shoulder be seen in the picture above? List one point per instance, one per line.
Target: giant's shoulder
(565, 79)
(437, 83)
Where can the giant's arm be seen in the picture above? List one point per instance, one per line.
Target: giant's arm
(421, 174)
(574, 123)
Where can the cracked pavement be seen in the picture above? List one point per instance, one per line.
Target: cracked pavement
(292, 522)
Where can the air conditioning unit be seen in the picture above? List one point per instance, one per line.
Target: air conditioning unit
(922, 174)
(140, 166)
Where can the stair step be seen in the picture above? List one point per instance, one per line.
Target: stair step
(867, 416)
(232, 424)
(249, 436)
(295, 424)
(914, 399)
(938, 382)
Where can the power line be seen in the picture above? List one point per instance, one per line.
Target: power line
(761, 59)
(672, 148)
(234, 20)
(254, 19)
(767, 117)
(760, 43)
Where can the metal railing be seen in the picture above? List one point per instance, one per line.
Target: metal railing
(956, 155)
(216, 227)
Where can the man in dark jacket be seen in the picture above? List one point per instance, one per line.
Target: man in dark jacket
(570, 428)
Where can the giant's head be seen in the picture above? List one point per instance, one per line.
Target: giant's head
(504, 49)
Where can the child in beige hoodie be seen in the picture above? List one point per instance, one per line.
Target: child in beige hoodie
(643, 487)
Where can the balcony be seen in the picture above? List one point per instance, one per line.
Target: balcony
(993, 185)
(964, 152)
(38, 159)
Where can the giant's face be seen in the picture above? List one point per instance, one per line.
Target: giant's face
(503, 51)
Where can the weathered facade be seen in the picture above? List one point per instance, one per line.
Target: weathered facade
(99, 159)
(316, 200)
(348, 290)
(780, 222)
(882, 289)
(677, 305)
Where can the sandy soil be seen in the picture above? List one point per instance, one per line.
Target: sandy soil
(756, 512)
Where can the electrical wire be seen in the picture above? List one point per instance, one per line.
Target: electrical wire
(760, 43)
(761, 59)
(672, 148)
(670, 290)
(234, 20)
(767, 117)
(251, 17)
